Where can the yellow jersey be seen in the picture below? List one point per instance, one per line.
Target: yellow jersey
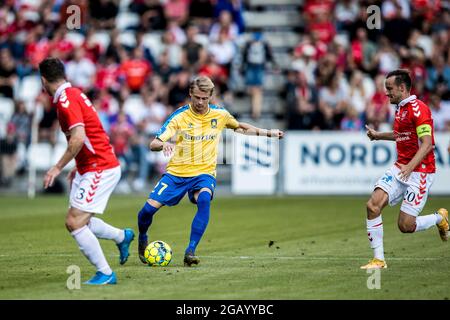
(197, 139)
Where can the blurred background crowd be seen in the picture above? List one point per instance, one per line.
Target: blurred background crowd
(293, 64)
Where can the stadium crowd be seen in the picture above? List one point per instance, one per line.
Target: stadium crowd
(134, 59)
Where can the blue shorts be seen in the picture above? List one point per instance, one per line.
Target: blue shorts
(254, 75)
(171, 189)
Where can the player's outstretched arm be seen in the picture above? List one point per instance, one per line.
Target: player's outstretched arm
(375, 135)
(249, 130)
(76, 142)
(158, 145)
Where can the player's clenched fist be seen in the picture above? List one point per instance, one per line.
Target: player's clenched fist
(371, 133)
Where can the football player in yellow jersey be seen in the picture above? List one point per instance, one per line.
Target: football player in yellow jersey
(192, 168)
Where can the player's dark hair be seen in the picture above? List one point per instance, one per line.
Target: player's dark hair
(52, 69)
(401, 76)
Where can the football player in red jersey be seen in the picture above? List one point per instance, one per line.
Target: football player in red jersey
(411, 177)
(95, 176)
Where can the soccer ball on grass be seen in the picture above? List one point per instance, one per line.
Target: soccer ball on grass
(158, 253)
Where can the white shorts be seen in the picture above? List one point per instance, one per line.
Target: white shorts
(413, 192)
(90, 192)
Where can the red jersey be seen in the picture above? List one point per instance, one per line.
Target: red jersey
(75, 109)
(411, 114)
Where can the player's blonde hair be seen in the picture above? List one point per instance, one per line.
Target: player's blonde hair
(203, 83)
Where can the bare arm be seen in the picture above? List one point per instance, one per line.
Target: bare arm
(159, 145)
(375, 135)
(426, 146)
(76, 142)
(249, 130)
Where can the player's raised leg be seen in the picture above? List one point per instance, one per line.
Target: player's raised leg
(145, 219)
(122, 237)
(414, 201)
(76, 223)
(199, 224)
(375, 205)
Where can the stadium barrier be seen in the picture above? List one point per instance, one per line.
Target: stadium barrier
(322, 163)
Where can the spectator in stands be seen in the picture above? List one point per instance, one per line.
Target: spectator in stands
(48, 125)
(352, 120)
(103, 13)
(386, 58)
(8, 73)
(107, 76)
(346, 12)
(441, 113)
(194, 55)
(302, 100)
(225, 23)
(164, 69)
(216, 73)
(177, 10)
(8, 155)
(378, 110)
(135, 70)
(257, 53)
(154, 116)
(22, 123)
(304, 60)
(397, 20)
(80, 71)
(201, 13)
(438, 79)
(179, 90)
(173, 50)
(360, 92)
(157, 87)
(121, 132)
(151, 13)
(223, 51)
(333, 101)
(362, 52)
(234, 7)
(21, 120)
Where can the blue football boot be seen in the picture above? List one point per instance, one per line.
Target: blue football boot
(100, 279)
(125, 245)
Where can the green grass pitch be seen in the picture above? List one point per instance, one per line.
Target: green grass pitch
(319, 245)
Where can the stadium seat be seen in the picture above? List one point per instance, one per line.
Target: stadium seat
(127, 39)
(152, 41)
(124, 4)
(77, 39)
(102, 38)
(57, 153)
(29, 88)
(6, 111)
(134, 107)
(40, 156)
(203, 39)
(127, 20)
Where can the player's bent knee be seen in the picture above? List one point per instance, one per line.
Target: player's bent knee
(154, 203)
(373, 210)
(405, 227)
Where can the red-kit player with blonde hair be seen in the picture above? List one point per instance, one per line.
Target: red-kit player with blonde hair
(412, 175)
(95, 176)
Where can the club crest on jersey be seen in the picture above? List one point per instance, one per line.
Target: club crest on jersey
(213, 123)
(190, 125)
(404, 114)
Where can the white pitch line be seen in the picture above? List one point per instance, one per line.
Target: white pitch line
(267, 258)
